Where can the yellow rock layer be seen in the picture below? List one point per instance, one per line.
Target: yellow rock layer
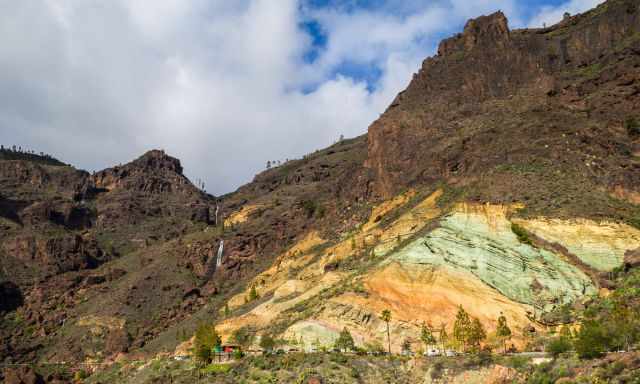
(242, 215)
(602, 245)
(265, 313)
(387, 206)
(268, 281)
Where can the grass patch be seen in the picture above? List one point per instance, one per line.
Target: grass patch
(591, 71)
(214, 369)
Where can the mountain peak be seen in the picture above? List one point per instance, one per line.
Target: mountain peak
(159, 160)
(484, 30)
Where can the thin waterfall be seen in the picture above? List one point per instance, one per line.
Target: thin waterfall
(220, 250)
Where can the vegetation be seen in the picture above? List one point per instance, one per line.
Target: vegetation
(558, 346)
(461, 328)
(386, 317)
(467, 331)
(477, 334)
(503, 331)
(243, 336)
(310, 207)
(427, 337)
(406, 346)
(612, 323)
(19, 153)
(632, 126)
(205, 343)
(267, 343)
(521, 234)
(345, 341)
(253, 294)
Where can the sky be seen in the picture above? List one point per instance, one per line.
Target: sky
(223, 85)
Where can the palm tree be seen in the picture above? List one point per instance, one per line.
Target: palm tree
(386, 317)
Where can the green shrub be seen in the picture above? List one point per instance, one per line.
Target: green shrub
(558, 346)
(216, 368)
(517, 362)
(591, 341)
(521, 234)
(309, 207)
(243, 336)
(632, 126)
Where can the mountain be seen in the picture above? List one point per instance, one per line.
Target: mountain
(504, 179)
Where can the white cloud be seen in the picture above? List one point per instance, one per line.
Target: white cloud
(216, 83)
(550, 15)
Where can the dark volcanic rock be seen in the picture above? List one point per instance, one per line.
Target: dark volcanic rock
(632, 258)
(153, 173)
(59, 254)
(491, 93)
(22, 375)
(10, 296)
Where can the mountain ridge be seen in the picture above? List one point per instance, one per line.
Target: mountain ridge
(503, 140)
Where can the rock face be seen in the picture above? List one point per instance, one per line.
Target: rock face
(59, 254)
(475, 107)
(22, 375)
(152, 173)
(152, 185)
(11, 297)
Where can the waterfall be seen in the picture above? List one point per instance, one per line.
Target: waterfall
(216, 214)
(220, 250)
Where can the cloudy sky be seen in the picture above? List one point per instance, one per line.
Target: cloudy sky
(224, 85)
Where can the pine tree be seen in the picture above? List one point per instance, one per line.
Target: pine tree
(206, 340)
(345, 341)
(253, 294)
(267, 343)
(476, 333)
(443, 335)
(426, 336)
(503, 331)
(461, 328)
(406, 346)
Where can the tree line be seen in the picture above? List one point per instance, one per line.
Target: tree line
(468, 334)
(18, 153)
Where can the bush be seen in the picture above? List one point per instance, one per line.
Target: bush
(216, 368)
(309, 207)
(521, 234)
(243, 336)
(591, 341)
(632, 126)
(558, 346)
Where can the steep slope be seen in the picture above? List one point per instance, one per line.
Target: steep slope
(532, 139)
(66, 240)
(535, 116)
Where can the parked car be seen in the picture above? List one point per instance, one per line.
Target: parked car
(432, 352)
(450, 353)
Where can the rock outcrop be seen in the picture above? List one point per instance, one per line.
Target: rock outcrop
(479, 105)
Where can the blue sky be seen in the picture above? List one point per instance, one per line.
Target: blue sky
(223, 85)
(525, 14)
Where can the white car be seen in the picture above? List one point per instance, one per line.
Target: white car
(450, 353)
(432, 352)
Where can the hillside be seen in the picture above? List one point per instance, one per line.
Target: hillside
(505, 179)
